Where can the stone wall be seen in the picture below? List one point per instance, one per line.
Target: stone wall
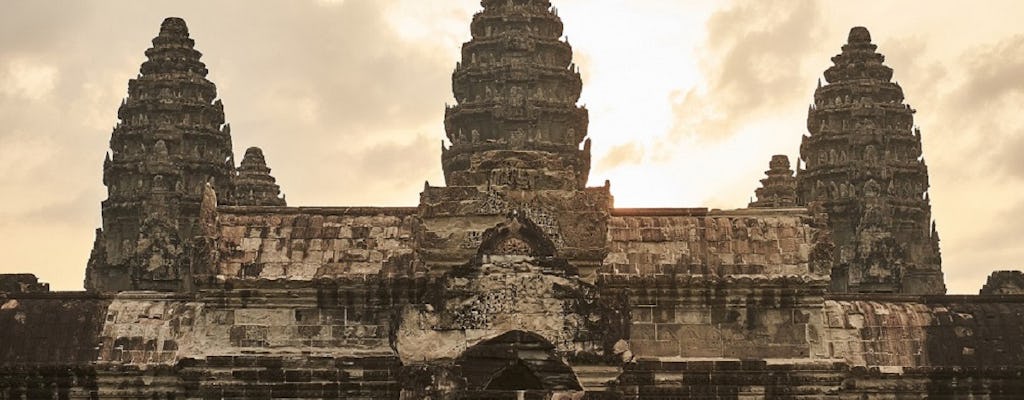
(50, 328)
(306, 244)
(22, 283)
(717, 284)
(930, 331)
(267, 377)
(47, 342)
(721, 318)
(335, 319)
(696, 241)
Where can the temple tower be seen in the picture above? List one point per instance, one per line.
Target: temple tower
(253, 185)
(864, 167)
(516, 123)
(517, 152)
(778, 189)
(169, 142)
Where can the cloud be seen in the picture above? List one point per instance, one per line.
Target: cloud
(625, 154)
(995, 73)
(27, 79)
(753, 66)
(1010, 158)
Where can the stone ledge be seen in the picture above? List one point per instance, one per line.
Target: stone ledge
(349, 211)
(659, 212)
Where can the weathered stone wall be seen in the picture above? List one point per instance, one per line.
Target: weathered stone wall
(930, 331)
(335, 319)
(22, 283)
(294, 377)
(50, 328)
(695, 241)
(732, 318)
(732, 380)
(758, 379)
(306, 244)
(720, 284)
(47, 342)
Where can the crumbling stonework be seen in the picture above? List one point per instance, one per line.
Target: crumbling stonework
(514, 280)
(22, 283)
(1004, 282)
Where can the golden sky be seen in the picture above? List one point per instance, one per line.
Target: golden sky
(688, 101)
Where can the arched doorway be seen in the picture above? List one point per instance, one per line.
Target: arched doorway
(516, 364)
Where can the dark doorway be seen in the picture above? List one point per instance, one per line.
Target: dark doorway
(516, 361)
(515, 377)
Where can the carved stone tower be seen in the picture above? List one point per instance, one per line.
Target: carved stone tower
(778, 189)
(516, 123)
(516, 154)
(864, 166)
(170, 141)
(253, 185)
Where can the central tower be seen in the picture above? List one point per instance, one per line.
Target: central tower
(516, 123)
(517, 155)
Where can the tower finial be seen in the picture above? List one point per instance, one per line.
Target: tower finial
(859, 34)
(175, 27)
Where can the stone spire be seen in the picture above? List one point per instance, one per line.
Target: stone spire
(169, 142)
(253, 185)
(864, 166)
(516, 123)
(778, 189)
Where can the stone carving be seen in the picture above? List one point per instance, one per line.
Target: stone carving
(493, 98)
(150, 121)
(779, 188)
(862, 193)
(253, 185)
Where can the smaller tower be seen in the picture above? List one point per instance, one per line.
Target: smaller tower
(171, 140)
(778, 189)
(253, 185)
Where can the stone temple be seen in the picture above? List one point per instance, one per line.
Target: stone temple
(514, 280)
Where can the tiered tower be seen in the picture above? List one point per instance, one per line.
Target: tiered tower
(516, 123)
(170, 141)
(864, 166)
(516, 156)
(253, 184)
(778, 189)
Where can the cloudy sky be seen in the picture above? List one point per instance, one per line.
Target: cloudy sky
(688, 100)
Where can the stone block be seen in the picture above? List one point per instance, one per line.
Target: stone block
(642, 331)
(654, 348)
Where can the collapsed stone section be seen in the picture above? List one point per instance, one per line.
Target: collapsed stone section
(864, 167)
(253, 185)
(516, 123)
(170, 142)
(22, 283)
(779, 188)
(1004, 282)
